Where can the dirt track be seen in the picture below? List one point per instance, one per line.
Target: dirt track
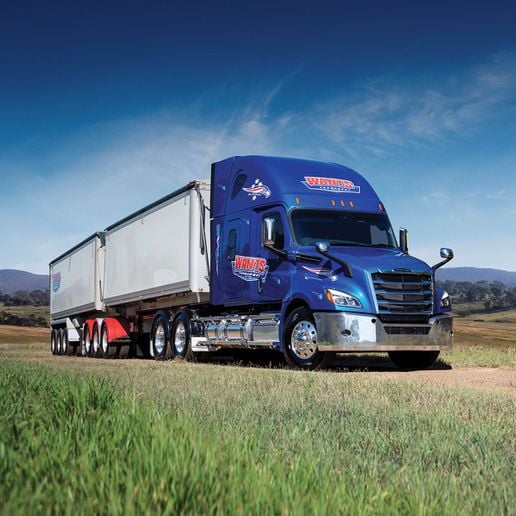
(499, 378)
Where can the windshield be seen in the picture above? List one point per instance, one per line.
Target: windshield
(342, 228)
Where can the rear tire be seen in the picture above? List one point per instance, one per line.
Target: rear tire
(107, 350)
(181, 341)
(53, 341)
(413, 360)
(66, 347)
(59, 342)
(95, 348)
(300, 342)
(86, 344)
(64, 341)
(160, 337)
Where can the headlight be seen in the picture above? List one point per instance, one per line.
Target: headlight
(339, 298)
(445, 300)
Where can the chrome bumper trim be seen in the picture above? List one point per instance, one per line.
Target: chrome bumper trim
(345, 331)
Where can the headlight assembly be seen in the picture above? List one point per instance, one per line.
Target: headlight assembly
(339, 298)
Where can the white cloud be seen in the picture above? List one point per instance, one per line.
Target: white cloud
(386, 118)
(104, 172)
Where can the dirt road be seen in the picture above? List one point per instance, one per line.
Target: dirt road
(491, 378)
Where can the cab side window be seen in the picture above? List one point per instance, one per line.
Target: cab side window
(232, 244)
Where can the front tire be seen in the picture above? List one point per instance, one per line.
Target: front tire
(300, 343)
(413, 360)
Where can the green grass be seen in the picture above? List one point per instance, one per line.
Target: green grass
(479, 356)
(179, 438)
(37, 311)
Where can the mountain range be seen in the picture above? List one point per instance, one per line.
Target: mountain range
(12, 280)
(473, 274)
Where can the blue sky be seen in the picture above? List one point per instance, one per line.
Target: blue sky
(105, 106)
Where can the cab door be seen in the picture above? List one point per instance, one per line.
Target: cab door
(236, 239)
(275, 285)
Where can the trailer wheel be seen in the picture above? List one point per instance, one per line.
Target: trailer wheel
(107, 350)
(64, 341)
(86, 344)
(53, 341)
(58, 342)
(181, 337)
(160, 337)
(95, 348)
(300, 344)
(413, 360)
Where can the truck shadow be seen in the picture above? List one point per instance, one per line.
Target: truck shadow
(342, 364)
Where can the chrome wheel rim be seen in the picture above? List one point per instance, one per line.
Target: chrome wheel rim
(87, 343)
(159, 339)
(180, 338)
(95, 342)
(53, 343)
(104, 342)
(304, 340)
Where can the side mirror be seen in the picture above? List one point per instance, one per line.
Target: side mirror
(447, 254)
(404, 240)
(268, 231)
(323, 246)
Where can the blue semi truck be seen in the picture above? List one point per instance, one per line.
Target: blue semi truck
(286, 254)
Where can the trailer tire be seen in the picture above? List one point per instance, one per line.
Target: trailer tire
(53, 341)
(64, 341)
(413, 360)
(181, 341)
(95, 342)
(160, 337)
(86, 343)
(300, 343)
(107, 350)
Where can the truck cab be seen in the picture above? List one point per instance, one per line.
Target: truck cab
(312, 242)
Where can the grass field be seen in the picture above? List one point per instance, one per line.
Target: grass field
(37, 311)
(138, 436)
(241, 440)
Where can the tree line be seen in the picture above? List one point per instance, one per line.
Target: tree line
(494, 295)
(26, 298)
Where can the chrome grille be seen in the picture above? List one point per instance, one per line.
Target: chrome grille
(403, 292)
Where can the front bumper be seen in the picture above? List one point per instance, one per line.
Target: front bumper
(345, 331)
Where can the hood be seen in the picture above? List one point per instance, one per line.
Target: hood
(373, 259)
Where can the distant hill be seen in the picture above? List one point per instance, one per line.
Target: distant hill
(12, 280)
(474, 274)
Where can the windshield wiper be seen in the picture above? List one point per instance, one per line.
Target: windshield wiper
(385, 246)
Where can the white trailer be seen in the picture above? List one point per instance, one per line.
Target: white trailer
(145, 252)
(100, 288)
(74, 278)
